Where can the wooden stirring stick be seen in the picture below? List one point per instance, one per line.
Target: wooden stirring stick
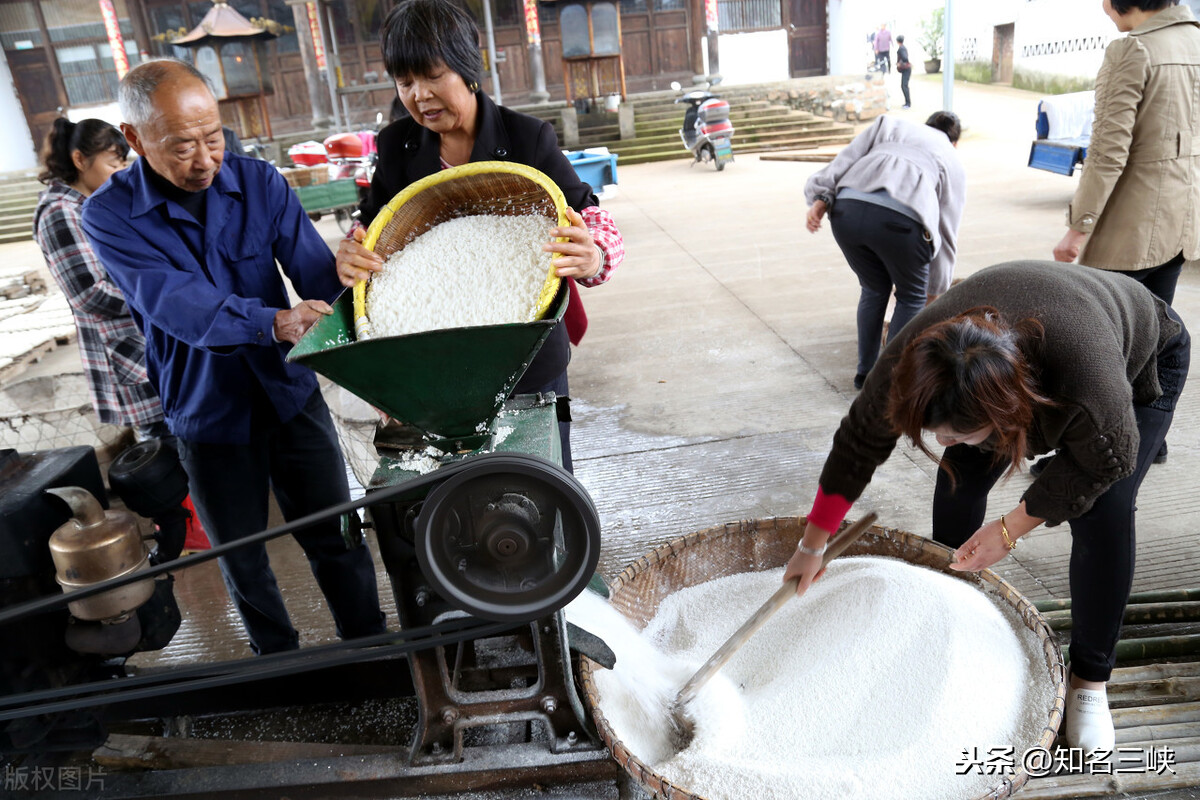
(836, 547)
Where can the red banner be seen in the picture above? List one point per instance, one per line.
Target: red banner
(532, 27)
(314, 27)
(112, 27)
(710, 14)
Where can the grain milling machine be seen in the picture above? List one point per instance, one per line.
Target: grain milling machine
(482, 553)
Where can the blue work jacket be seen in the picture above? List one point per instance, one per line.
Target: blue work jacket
(206, 296)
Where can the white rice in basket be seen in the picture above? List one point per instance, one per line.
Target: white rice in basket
(476, 270)
(885, 680)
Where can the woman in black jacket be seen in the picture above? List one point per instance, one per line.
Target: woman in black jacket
(431, 50)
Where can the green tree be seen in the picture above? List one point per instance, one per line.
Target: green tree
(933, 33)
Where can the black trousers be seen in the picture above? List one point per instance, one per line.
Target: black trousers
(888, 252)
(548, 373)
(1160, 280)
(300, 461)
(1103, 541)
(905, 74)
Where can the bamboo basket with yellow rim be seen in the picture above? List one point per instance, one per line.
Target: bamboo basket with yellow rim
(481, 187)
(756, 545)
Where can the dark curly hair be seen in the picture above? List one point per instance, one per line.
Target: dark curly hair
(90, 137)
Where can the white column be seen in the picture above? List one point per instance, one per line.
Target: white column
(19, 152)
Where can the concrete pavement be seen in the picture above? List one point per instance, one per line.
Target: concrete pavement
(719, 362)
(720, 358)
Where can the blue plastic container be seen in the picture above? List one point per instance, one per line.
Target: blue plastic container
(595, 169)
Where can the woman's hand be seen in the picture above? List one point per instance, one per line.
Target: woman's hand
(578, 257)
(982, 550)
(805, 566)
(989, 545)
(354, 262)
(815, 213)
(1069, 246)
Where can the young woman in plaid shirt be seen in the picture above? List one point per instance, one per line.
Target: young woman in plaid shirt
(79, 158)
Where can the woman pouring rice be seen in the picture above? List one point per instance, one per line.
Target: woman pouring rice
(431, 50)
(1019, 359)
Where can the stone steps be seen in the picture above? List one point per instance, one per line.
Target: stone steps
(18, 199)
(761, 117)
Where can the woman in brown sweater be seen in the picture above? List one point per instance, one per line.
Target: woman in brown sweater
(1017, 360)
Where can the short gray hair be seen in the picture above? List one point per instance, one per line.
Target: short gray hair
(140, 83)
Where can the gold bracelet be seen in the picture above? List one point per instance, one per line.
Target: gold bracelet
(1004, 532)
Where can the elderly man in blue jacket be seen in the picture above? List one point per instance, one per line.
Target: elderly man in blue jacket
(191, 234)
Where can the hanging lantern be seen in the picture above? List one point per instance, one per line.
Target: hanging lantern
(230, 51)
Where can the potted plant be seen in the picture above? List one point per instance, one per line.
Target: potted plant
(933, 34)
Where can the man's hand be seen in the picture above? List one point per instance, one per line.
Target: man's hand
(815, 212)
(292, 323)
(1068, 248)
(354, 262)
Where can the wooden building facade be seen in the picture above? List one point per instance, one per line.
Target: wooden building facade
(60, 56)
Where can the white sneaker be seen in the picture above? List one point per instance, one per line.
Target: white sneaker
(1088, 722)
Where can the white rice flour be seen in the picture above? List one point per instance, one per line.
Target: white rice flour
(873, 684)
(477, 270)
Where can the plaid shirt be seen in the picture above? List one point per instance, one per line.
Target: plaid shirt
(605, 234)
(110, 345)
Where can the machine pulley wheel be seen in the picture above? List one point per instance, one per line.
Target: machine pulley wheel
(511, 538)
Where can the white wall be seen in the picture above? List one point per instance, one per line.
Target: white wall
(1056, 37)
(1063, 38)
(109, 112)
(18, 152)
(758, 57)
(852, 21)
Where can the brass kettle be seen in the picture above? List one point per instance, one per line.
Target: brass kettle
(96, 545)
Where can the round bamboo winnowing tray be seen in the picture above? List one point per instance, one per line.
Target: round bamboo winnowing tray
(756, 545)
(479, 188)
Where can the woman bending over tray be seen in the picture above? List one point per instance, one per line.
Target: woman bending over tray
(431, 50)
(1019, 359)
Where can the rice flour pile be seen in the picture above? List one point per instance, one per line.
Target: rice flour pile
(873, 684)
(477, 270)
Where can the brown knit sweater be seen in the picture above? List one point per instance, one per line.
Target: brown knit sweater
(1103, 334)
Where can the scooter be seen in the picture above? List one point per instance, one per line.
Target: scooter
(707, 131)
(351, 156)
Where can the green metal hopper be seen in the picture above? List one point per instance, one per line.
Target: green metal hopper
(449, 384)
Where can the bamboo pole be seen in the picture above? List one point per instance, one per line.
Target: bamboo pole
(1157, 734)
(1167, 690)
(1150, 672)
(1161, 629)
(1149, 648)
(1137, 598)
(1145, 613)
(1157, 647)
(1156, 715)
(1069, 787)
(1183, 750)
